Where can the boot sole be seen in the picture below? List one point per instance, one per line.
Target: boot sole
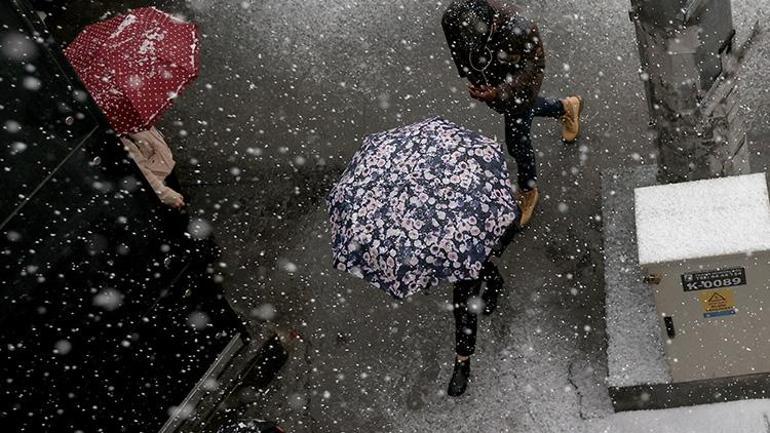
(580, 113)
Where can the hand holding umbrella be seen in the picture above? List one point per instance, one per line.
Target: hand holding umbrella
(134, 65)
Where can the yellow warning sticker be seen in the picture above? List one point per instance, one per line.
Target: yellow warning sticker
(718, 303)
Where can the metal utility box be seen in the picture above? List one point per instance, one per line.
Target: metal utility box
(704, 249)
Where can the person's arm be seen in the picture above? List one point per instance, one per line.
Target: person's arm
(528, 45)
(523, 47)
(453, 41)
(166, 195)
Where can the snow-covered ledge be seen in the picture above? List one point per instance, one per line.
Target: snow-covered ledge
(635, 348)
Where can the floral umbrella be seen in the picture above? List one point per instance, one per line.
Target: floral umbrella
(420, 204)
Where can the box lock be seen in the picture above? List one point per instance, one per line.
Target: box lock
(652, 278)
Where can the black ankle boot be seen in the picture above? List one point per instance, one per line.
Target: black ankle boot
(460, 378)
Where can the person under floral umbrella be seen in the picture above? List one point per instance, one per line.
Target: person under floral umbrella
(134, 65)
(425, 203)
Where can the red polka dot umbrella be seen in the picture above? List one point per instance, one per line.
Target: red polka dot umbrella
(135, 64)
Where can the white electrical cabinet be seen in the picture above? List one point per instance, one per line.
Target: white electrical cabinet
(704, 249)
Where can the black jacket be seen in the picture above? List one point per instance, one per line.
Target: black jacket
(517, 58)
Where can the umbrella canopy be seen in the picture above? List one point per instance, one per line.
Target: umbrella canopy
(419, 204)
(135, 64)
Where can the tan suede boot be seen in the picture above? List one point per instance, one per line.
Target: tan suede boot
(573, 107)
(528, 201)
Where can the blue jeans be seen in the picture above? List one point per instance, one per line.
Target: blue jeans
(519, 143)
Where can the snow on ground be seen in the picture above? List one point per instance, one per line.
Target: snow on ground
(541, 366)
(635, 350)
(374, 365)
(749, 416)
(335, 43)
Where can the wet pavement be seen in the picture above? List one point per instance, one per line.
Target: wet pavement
(288, 90)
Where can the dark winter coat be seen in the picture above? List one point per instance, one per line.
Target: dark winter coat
(517, 57)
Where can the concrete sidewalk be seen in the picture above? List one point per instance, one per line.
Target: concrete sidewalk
(371, 364)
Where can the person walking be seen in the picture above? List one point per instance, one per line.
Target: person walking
(467, 305)
(469, 298)
(425, 203)
(501, 54)
(124, 62)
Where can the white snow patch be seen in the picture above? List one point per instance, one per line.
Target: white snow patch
(108, 299)
(332, 41)
(199, 228)
(266, 312)
(748, 416)
(12, 126)
(635, 353)
(62, 347)
(127, 21)
(150, 37)
(17, 47)
(32, 84)
(704, 218)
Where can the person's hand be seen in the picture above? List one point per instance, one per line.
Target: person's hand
(482, 93)
(172, 199)
(177, 202)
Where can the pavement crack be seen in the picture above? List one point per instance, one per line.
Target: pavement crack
(767, 422)
(571, 380)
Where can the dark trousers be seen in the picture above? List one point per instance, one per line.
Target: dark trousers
(519, 142)
(465, 319)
